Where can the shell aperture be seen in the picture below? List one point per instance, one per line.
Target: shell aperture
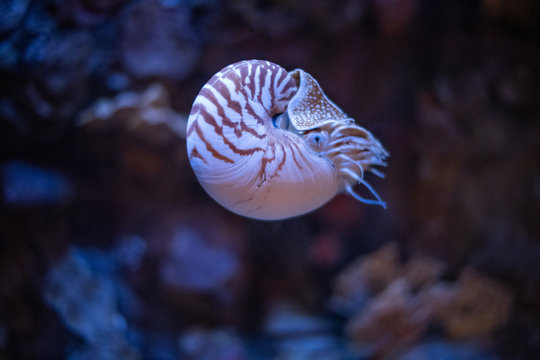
(268, 144)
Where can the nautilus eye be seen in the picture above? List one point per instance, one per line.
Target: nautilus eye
(269, 144)
(317, 140)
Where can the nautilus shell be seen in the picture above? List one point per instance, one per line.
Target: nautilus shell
(268, 144)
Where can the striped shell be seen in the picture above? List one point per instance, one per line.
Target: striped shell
(268, 144)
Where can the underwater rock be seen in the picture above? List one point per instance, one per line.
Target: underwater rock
(160, 345)
(299, 335)
(445, 351)
(167, 47)
(11, 13)
(38, 21)
(148, 113)
(25, 184)
(86, 301)
(197, 257)
(59, 82)
(286, 319)
(47, 71)
(311, 347)
(129, 251)
(9, 56)
(215, 344)
(105, 353)
(282, 19)
(272, 20)
(147, 137)
(85, 12)
(194, 264)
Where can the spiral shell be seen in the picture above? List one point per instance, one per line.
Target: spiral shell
(269, 144)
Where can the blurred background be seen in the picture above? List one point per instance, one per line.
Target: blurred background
(110, 249)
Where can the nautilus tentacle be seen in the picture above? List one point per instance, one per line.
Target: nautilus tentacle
(269, 144)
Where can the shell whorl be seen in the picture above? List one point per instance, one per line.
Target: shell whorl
(250, 142)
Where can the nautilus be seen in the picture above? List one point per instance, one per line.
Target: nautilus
(269, 144)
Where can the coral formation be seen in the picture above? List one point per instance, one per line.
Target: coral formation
(369, 275)
(389, 322)
(143, 113)
(475, 307)
(398, 309)
(86, 301)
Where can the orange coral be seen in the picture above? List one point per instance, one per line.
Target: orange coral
(374, 271)
(389, 322)
(411, 296)
(477, 306)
